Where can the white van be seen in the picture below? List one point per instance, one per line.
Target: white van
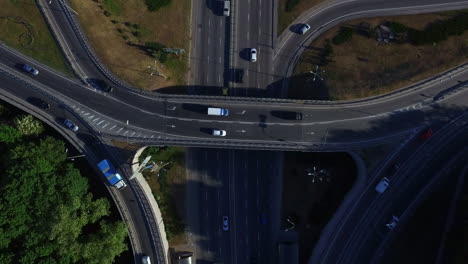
(227, 8)
(218, 111)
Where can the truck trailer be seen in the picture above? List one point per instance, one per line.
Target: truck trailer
(111, 174)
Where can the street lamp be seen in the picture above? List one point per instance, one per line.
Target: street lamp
(71, 9)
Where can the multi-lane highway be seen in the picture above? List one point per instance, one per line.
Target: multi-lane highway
(240, 185)
(363, 230)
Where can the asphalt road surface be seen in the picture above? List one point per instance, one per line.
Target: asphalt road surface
(237, 184)
(364, 230)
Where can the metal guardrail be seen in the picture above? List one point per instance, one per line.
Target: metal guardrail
(84, 43)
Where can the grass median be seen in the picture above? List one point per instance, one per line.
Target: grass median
(119, 31)
(357, 65)
(23, 28)
(167, 181)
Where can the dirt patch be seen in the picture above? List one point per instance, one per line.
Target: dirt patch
(363, 67)
(310, 197)
(118, 39)
(286, 18)
(23, 28)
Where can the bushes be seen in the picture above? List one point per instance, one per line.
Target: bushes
(290, 4)
(154, 5)
(344, 35)
(28, 125)
(439, 31)
(398, 27)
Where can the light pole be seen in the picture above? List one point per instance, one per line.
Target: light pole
(155, 70)
(71, 9)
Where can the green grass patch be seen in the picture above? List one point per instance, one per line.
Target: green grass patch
(178, 67)
(154, 5)
(290, 4)
(23, 28)
(114, 6)
(165, 184)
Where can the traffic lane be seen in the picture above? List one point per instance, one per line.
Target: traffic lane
(373, 241)
(190, 128)
(74, 88)
(72, 41)
(319, 113)
(86, 136)
(292, 41)
(362, 214)
(402, 192)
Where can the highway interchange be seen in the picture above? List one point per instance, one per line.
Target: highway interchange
(219, 45)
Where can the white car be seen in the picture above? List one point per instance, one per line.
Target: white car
(383, 185)
(393, 223)
(225, 223)
(304, 28)
(145, 260)
(70, 125)
(219, 132)
(253, 55)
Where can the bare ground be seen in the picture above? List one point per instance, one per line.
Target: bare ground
(363, 67)
(168, 26)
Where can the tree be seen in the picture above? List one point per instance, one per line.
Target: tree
(47, 213)
(28, 125)
(8, 134)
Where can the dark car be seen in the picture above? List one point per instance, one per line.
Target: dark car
(287, 115)
(99, 84)
(38, 102)
(239, 75)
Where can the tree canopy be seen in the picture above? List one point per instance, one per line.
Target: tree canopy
(47, 214)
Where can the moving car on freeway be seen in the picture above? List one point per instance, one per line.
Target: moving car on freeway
(225, 223)
(382, 185)
(30, 69)
(393, 223)
(219, 132)
(227, 8)
(145, 260)
(304, 29)
(99, 84)
(253, 55)
(70, 125)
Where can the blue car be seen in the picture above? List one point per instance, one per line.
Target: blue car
(263, 218)
(30, 69)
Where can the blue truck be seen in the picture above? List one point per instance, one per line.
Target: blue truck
(111, 174)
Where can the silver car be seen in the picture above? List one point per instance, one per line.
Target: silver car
(304, 28)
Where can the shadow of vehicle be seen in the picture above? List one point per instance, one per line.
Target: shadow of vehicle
(207, 130)
(216, 6)
(197, 108)
(289, 115)
(38, 102)
(296, 28)
(262, 121)
(245, 54)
